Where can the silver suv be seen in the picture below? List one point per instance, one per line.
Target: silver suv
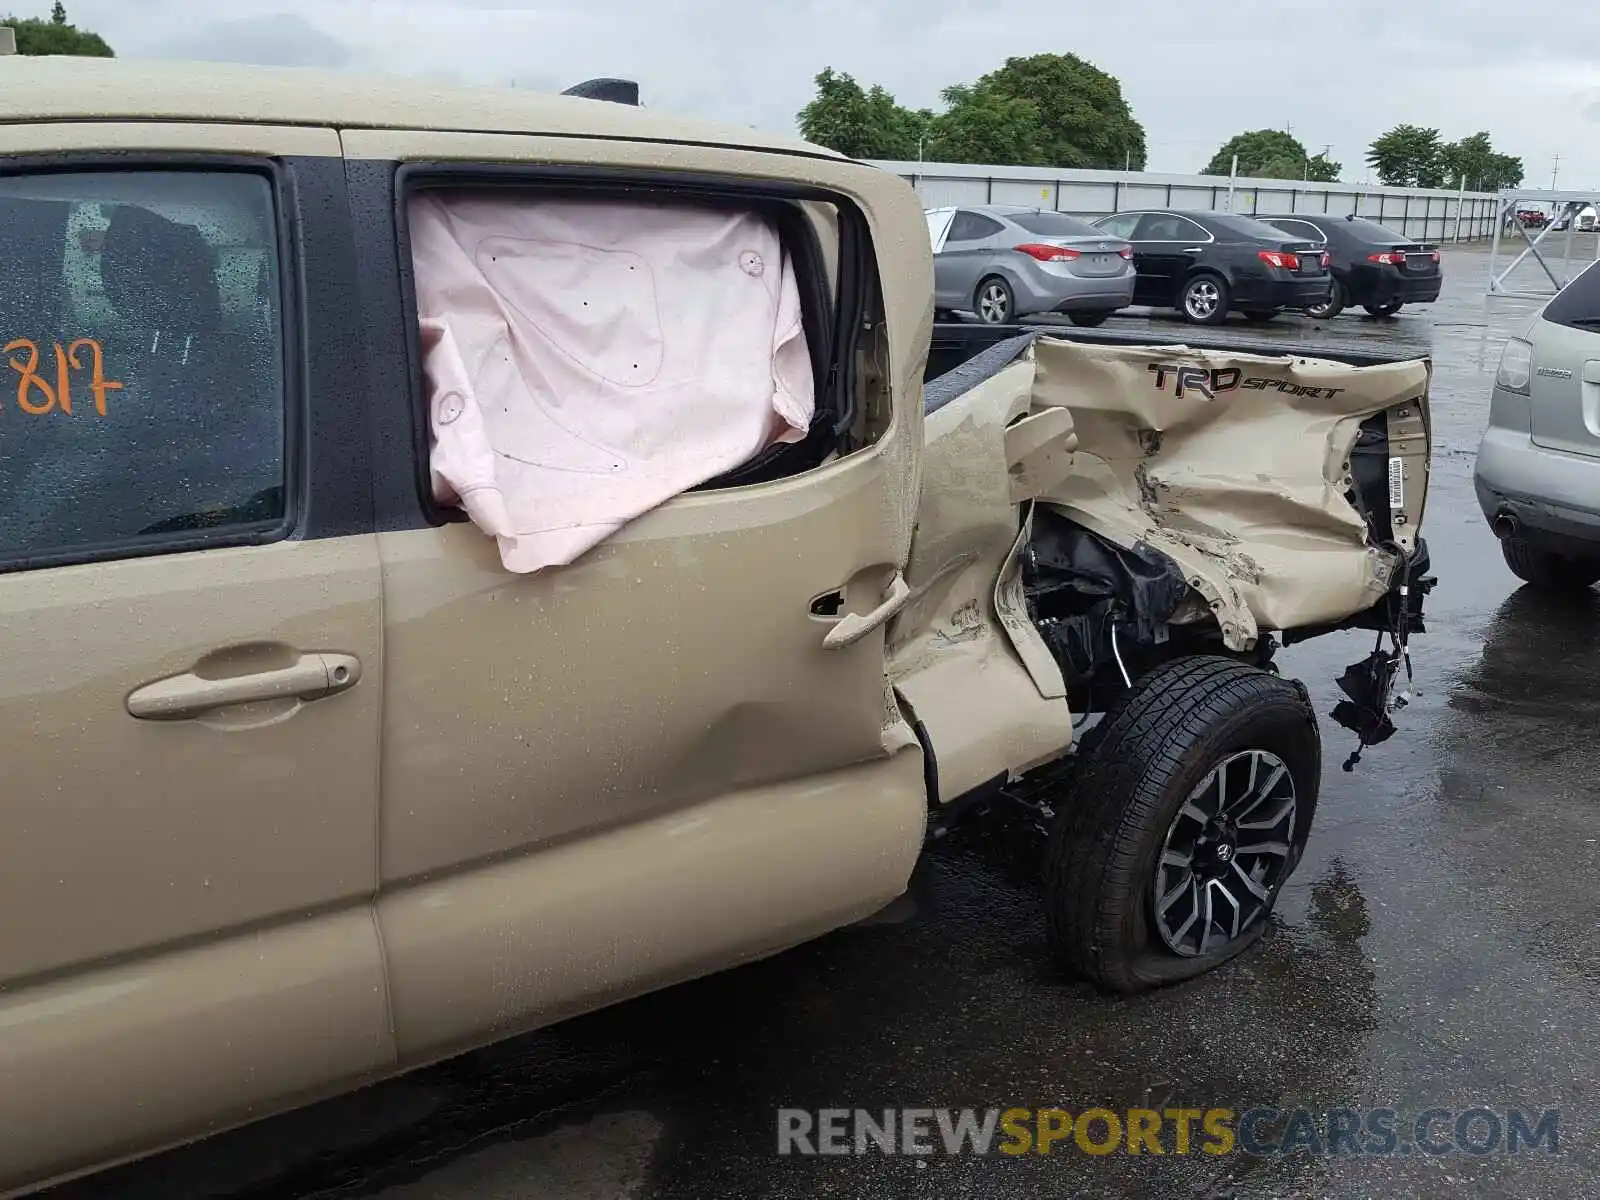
(1538, 468)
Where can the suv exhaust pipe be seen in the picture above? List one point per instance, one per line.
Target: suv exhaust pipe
(1505, 524)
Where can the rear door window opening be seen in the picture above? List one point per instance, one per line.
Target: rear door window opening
(824, 266)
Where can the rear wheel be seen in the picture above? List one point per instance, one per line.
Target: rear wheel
(993, 301)
(1549, 570)
(1383, 310)
(1089, 319)
(1204, 300)
(1182, 824)
(1334, 306)
(1261, 316)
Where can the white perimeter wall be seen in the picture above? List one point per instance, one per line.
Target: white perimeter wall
(1422, 214)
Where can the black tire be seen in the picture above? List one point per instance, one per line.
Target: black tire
(1117, 814)
(1089, 320)
(1203, 299)
(1334, 306)
(1548, 570)
(1383, 310)
(994, 301)
(1260, 316)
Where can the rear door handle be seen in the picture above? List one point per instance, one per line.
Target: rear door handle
(1192, 250)
(855, 626)
(183, 697)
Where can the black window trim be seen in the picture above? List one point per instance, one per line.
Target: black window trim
(294, 384)
(844, 308)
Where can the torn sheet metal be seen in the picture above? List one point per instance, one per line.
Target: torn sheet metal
(1237, 467)
(588, 360)
(964, 655)
(1086, 590)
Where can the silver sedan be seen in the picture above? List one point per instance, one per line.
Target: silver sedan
(1004, 261)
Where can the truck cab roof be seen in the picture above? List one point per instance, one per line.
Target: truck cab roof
(51, 88)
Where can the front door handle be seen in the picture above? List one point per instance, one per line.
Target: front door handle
(1193, 250)
(855, 626)
(182, 697)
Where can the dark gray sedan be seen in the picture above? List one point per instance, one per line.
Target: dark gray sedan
(1004, 261)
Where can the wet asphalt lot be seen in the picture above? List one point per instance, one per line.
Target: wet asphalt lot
(1438, 947)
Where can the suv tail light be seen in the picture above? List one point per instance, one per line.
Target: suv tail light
(1279, 258)
(1389, 258)
(1516, 366)
(1046, 253)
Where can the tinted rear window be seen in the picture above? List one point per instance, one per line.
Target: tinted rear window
(1054, 224)
(1249, 227)
(1371, 231)
(1578, 304)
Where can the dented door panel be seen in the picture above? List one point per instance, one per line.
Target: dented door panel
(677, 751)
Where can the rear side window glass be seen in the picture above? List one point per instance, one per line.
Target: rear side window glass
(971, 227)
(1122, 225)
(1053, 224)
(141, 359)
(1165, 227)
(1578, 304)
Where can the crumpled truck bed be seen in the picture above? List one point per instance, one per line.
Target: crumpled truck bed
(1286, 490)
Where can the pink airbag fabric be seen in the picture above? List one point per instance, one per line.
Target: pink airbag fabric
(588, 361)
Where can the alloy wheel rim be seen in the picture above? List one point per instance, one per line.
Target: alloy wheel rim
(1202, 299)
(1322, 310)
(1225, 854)
(992, 304)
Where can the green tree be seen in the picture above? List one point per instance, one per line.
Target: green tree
(1506, 171)
(56, 36)
(1409, 156)
(1473, 163)
(860, 123)
(980, 125)
(1084, 119)
(1322, 169)
(1271, 154)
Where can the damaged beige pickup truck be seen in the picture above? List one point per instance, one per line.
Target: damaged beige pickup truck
(468, 558)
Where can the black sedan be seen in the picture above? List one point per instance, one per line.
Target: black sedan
(1207, 264)
(1373, 266)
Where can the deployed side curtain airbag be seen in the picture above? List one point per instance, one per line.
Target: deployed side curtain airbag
(588, 360)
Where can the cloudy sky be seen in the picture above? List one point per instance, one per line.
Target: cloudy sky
(1195, 72)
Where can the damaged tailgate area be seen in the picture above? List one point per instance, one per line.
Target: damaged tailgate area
(1221, 502)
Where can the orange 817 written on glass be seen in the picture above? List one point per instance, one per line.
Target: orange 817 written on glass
(36, 396)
